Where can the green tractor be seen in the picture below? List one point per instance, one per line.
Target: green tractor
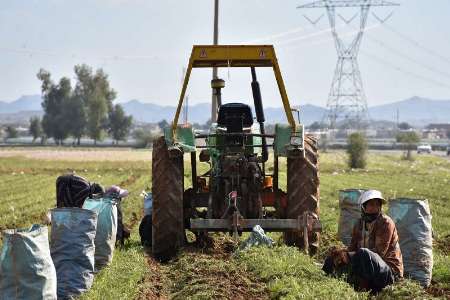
(237, 192)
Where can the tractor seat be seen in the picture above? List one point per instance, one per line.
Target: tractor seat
(235, 117)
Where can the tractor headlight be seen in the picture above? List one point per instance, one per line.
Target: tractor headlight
(296, 141)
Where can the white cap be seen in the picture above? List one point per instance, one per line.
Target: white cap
(369, 195)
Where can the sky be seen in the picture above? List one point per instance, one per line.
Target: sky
(144, 45)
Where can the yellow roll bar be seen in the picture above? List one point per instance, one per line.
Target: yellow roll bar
(232, 56)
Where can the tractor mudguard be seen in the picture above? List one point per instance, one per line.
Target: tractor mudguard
(286, 140)
(185, 140)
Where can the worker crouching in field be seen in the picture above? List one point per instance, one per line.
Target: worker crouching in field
(373, 260)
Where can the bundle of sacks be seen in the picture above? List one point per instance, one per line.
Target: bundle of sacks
(84, 229)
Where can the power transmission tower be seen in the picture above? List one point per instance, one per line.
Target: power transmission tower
(347, 100)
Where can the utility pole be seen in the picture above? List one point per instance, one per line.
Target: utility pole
(214, 72)
(397, 120)
(186, 101)
(347, 100)
(186, 111)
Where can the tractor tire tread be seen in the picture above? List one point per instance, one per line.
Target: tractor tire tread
(168, 233)
(303, 189)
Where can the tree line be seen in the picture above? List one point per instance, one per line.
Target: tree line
(85, 109)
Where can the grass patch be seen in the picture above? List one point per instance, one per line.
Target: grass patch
(290, 274)
(441, 271)
(28, 189)
(27, 185)
(405, 289)
(121, 279)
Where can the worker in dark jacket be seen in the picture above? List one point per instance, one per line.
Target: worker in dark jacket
(373, 260)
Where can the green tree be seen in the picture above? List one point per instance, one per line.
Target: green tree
(89, 83)
(35, 128)
(77, 118)
(97, 95)
(119, 123)
(144, 138)
(357, 150)
(101, 83)
(77, 111)
(207, 125)
(11, 133)
(323, 143)
(97, 116)
(163, 124)
(404, 126)
(410, 140)
(62, 120)
(56, 120)
(316, 126)
(48, 104)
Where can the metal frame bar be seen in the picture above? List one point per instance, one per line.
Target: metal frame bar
(243, 146)
(202, 136)
(245, 224)
(231, 56)
(224, 225)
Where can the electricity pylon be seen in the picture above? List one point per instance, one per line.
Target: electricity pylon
(347, 100)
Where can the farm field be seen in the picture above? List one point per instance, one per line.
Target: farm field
(27, 189)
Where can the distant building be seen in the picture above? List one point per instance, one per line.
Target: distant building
(370, 133)
(436, 131)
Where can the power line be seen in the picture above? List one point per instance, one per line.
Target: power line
(325, 40)
(380, 60)
(28, 51)
(409, 58)
(404, 71)
(367, 54)
(34, 52)
(276, 35)
(417, 44)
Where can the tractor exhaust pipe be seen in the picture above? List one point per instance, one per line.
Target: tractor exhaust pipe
(259, 113)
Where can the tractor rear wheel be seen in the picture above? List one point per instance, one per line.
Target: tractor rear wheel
(168, 233)
(303, 190)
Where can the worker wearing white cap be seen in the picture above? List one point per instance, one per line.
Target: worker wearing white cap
(373, 260)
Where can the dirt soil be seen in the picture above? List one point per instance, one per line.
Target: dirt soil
(69, 154)
(437, 291)
(205, 270)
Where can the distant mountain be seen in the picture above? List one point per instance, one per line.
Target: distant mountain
(21, 117)
(200, 113)
(308, 114)
(416, 111)
(24, 103)
(152, 113)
